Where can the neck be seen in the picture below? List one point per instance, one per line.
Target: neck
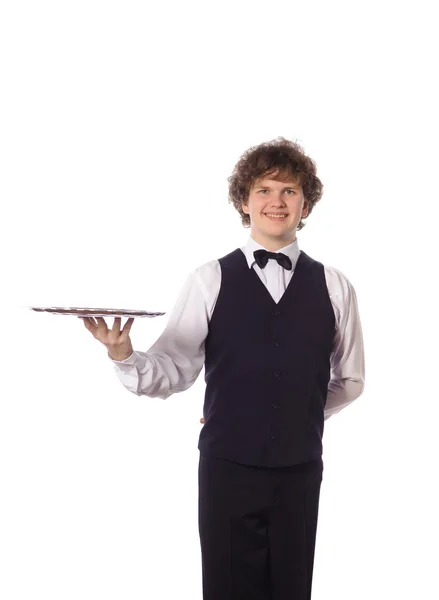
(273, 244)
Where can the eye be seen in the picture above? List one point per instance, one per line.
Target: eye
(263, 191)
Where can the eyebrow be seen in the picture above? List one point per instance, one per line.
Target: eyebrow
(291, 185)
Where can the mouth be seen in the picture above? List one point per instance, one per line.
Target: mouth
(276, 216)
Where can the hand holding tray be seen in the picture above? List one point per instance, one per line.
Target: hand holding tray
(117, 342)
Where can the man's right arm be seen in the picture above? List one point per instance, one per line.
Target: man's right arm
(173, 363)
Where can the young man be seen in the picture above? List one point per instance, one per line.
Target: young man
(280, 338)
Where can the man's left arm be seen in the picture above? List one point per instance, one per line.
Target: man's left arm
(347, 357)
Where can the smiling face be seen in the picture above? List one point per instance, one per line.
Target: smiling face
(275, 209)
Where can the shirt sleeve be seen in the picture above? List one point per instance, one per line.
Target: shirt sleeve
(173, 363)
(347, 357)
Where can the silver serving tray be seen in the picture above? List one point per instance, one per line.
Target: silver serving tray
(94, 312)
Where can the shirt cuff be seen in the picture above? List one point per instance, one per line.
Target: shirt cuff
(131, 360)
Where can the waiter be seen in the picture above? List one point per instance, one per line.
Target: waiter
(280, 338)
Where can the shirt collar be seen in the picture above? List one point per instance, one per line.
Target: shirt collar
(292, 251)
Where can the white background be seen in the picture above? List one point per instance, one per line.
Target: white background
(120, 123)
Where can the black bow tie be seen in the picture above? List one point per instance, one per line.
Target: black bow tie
(262, 256)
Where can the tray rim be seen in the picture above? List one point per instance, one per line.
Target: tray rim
(89, 311)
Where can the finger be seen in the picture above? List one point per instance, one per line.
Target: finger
(90, 325)
(128, 325)
(101, 323)
(116, 324)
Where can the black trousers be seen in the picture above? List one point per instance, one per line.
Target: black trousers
(257, 529)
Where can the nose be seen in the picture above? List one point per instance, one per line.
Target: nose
(277, 200)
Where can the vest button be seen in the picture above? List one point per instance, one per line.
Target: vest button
(276, 344)
(276, 374)
(277, 313)
(273, 437)
(274, 405)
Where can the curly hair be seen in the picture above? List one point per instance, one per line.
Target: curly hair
(281, 159)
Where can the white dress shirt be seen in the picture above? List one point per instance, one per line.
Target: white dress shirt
(175, 360)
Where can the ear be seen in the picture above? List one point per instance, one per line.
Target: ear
(245, 208)
(305, 209)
